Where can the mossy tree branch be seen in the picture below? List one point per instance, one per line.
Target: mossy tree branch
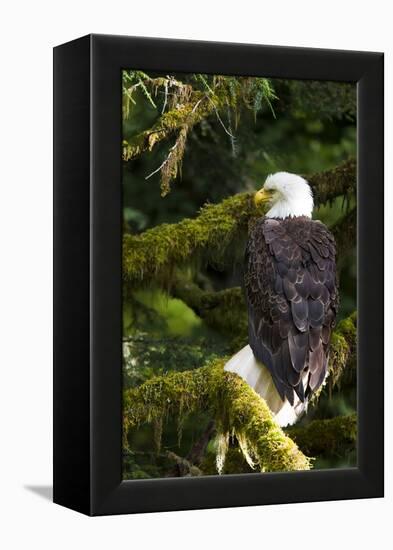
(185, 115)
(234, 406)
(330, 184)
(326, 436)
(152, 254)
(238, 410)
(189, 105)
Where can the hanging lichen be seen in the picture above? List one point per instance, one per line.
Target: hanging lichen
(187, 105)
(229, 399)
(222, 443)
(172, 164)
(184, 106)
(237, 408)
(180, 261)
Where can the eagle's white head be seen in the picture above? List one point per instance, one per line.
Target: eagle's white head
(288, 195)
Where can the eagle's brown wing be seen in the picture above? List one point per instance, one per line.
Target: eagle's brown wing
(292, 296)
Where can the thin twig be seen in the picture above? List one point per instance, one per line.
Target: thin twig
(219, 119)
(164, 162)
(166, 98)
(196, 105)
(233, 140)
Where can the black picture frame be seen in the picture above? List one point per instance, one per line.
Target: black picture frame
(87, 275)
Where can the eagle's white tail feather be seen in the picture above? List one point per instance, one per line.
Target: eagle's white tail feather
(259, 378)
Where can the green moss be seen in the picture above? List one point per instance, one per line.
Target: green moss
(184, 115)
(343, 347)
(154, 253)
(332, 436)
(238, 410)
(342, 353)
(339, 353)
(330, 184)
(189, 104)
(348, 328)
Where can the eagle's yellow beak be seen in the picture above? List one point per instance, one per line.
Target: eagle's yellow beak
(262, 196)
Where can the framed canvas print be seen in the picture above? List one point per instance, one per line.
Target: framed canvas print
(218, 275)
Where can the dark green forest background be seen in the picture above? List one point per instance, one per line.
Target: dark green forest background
(196, 140)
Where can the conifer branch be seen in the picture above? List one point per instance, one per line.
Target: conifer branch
(235, 407)
(330, 436)
(333, 183)
(152, 254)
(188, 105)
(224, 310)
(238, 410)
(182, 115)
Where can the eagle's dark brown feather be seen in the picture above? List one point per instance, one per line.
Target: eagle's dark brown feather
(292, 295)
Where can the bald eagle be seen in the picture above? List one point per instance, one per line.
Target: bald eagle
(292, 297)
